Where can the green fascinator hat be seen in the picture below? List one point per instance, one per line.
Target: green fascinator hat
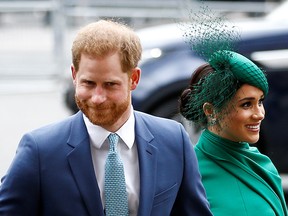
(241, 67)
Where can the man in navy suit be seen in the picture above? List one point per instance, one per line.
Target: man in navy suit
(59, 168)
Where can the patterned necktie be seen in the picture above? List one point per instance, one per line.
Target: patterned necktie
(116, 201)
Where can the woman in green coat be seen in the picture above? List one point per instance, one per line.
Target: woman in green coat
(225, 97)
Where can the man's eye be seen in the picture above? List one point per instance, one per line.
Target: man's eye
(87, 82)
(110, 84)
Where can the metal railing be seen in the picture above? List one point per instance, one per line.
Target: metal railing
(131, 8)
(26, 6)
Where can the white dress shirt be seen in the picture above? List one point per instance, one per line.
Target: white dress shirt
(128, 153)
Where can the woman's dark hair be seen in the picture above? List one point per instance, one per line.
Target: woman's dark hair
(207, 85)
(197, 78)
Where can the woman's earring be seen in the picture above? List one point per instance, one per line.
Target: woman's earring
(213, 120)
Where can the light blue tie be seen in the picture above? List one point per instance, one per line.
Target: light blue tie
(116, 201)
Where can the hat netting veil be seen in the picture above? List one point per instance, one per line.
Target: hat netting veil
(213, 38)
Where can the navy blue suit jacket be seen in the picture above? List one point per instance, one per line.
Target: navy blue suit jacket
(52, 173)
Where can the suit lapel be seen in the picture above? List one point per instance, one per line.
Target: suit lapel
(80, 161)
(147, 154)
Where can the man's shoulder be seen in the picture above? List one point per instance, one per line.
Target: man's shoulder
(157, 124)
(58, 127)
(151, 118)
(160, 129)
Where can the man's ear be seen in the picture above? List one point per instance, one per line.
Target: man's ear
(73, 72)
(135, 77)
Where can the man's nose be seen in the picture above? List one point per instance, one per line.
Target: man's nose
(98, 96)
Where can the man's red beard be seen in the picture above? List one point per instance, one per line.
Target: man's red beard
(103, 114)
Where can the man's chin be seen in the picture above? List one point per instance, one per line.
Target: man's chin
(97, 119)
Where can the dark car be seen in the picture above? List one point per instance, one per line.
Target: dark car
(168, 63)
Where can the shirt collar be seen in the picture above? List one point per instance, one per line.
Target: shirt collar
(98, 134)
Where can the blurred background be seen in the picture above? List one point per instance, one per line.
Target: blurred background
(35, 41)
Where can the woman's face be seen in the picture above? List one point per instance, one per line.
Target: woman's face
(240, 121)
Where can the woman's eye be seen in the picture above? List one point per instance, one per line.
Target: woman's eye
(247, 104)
